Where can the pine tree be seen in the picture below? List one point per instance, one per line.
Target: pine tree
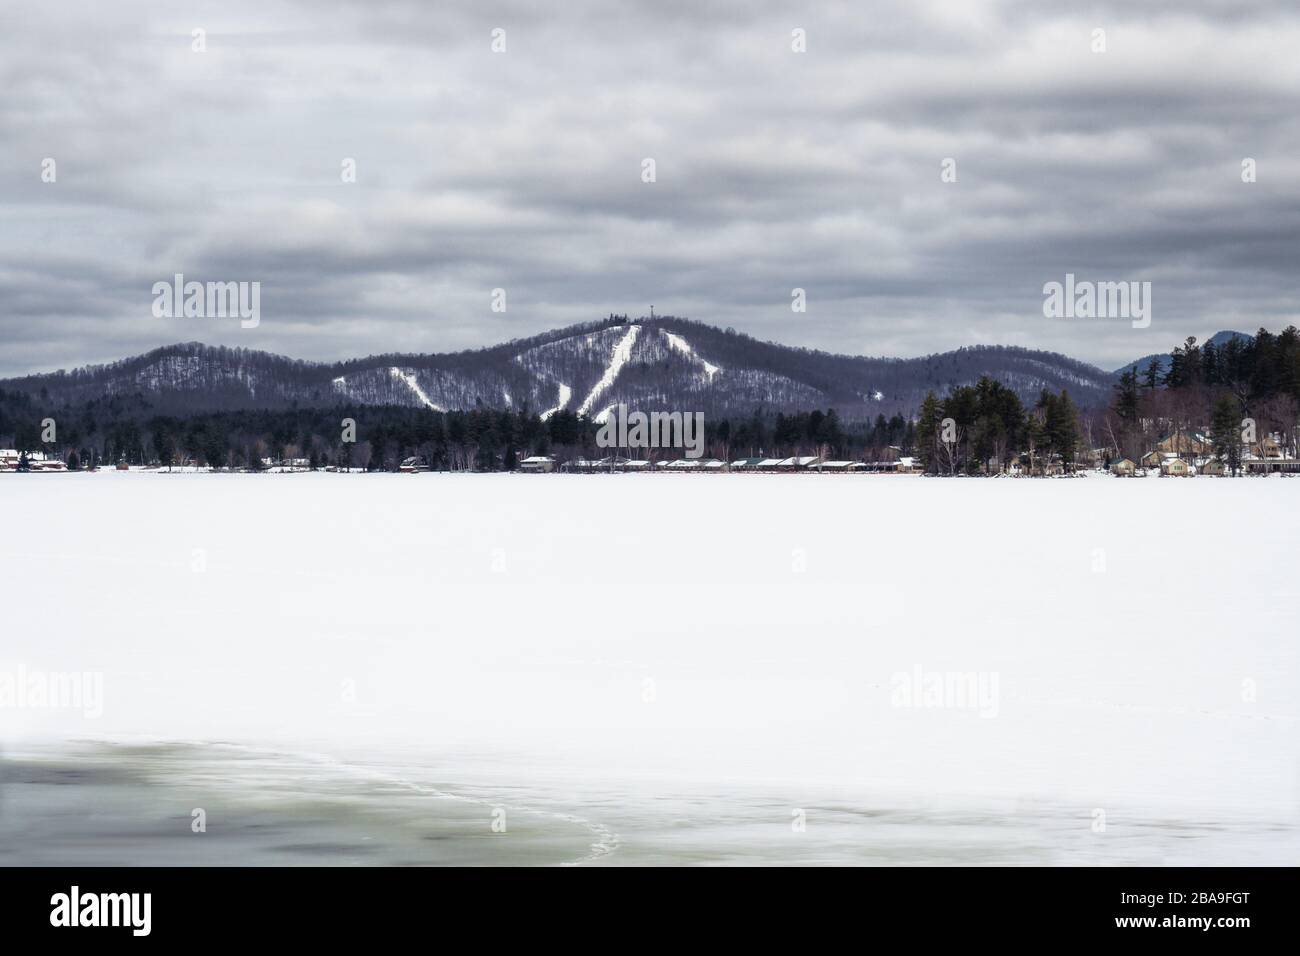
(1151, 377)
(927, 432)
(1224, 425)
(1126, 397)
(1062, 427)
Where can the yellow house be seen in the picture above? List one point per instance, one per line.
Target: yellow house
(1268, 448)
(1182, 443)
(1124, 468)
(1175, 467)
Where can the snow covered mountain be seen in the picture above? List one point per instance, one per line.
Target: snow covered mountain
(659, 363)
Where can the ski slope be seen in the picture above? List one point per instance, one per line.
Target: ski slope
(408, 378)
(681, 345)
(566, 393)
(622, 352)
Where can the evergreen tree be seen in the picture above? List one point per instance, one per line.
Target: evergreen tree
(1225, 433)
(1126, 397)
(1151, 377)
(1062, 425)
(927, 432)
(1184, 365)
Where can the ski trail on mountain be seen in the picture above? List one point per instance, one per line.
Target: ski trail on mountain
(622, 352)
(414, 386)
(566, 393)
(679, 344)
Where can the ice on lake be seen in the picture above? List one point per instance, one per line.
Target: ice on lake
(626, 669)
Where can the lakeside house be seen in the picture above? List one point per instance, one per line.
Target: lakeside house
(1185, 445)
(544, 463)
(901, 466)
(1267, 448)
(1175, 467)
(1271, 466)
(268, 464)
(540, 464)
(1124, 468)
(1268, 457)
(798, 463)
(36, 462)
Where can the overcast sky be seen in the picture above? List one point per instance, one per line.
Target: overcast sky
(522, 170)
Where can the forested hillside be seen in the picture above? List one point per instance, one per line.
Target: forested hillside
(661, 363)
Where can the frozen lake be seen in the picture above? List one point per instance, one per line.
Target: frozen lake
(656, 668)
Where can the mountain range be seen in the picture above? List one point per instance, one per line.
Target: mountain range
(656, 363)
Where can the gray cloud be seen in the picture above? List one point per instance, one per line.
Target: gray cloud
(521, 170)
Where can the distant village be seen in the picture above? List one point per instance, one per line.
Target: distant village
(1183, 456)
(1180, 455)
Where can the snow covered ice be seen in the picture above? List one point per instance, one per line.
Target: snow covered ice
(656, 668)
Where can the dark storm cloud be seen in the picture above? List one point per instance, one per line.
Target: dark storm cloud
(521, 170)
